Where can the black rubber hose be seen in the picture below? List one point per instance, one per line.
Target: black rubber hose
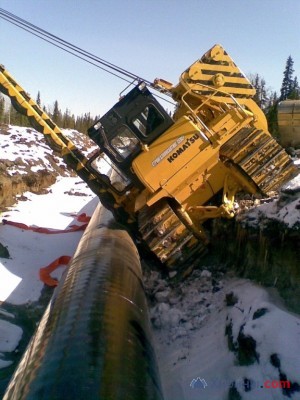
(93, 341)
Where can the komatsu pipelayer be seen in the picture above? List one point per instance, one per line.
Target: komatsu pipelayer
(167, 172)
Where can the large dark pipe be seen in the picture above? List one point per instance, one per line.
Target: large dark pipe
(93, 341)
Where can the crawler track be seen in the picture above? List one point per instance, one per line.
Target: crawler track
(254, 154)
(167, 236)
(260, 157)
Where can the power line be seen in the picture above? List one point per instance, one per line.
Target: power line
(74, 50)
(53, 39)
(67, 51)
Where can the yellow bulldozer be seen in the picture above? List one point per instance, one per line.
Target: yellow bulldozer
(166, 176)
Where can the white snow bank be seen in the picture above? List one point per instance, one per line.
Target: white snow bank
(29, 251)
(27, 149)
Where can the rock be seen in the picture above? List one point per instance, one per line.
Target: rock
(231, 299)
(189, 326)
(174, 300)
(158, 314)
(174, 317)
(156, 322)
(247, 353)
(292, 187)
(275, 360)
(205, 274)
(260, 312)
(198, 321)
(4, 253)
(168, 317)
(162, 308)
(180, 332)
(162, 297)
(233, 393)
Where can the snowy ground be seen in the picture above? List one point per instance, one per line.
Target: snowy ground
(26, 149)
(25, 153)
(284, 209)
(29, 251)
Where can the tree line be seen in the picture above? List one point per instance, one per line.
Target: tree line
(66, 119)
(266, 99)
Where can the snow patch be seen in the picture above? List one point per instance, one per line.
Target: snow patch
(284, 209)
(216, 336)
(10, 336)
(29, 251)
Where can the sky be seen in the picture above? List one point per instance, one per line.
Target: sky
(151, 38)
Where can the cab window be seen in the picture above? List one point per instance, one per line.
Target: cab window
(125, 143)
(108, 170)
(148, 120)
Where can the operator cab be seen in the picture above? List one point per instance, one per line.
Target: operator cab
(122, 133)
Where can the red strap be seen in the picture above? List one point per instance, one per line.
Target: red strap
(83, 218)
(63, 260)
(46, 271)
(72, 228)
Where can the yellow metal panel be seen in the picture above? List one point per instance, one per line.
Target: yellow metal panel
(181, 142)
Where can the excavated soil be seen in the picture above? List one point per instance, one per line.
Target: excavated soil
(29, 171)
(265, 250)
(10, 187)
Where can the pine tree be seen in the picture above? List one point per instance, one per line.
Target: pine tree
(84, 122)
(271, 114)
(68, 120)
(73, 119)
(38, 99)
(295, 92)
(255, 83)
(261, 96)
(56, 115)
(16, 118)
(287, 82)
(264, 97)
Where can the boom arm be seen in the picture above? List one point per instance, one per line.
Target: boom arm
(72, 156)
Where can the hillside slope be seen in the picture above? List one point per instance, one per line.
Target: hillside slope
(28, 164)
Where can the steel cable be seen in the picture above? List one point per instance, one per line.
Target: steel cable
(74, 50)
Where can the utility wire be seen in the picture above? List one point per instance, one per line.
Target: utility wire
(74, 50)
(67, 51)
(31, 28)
